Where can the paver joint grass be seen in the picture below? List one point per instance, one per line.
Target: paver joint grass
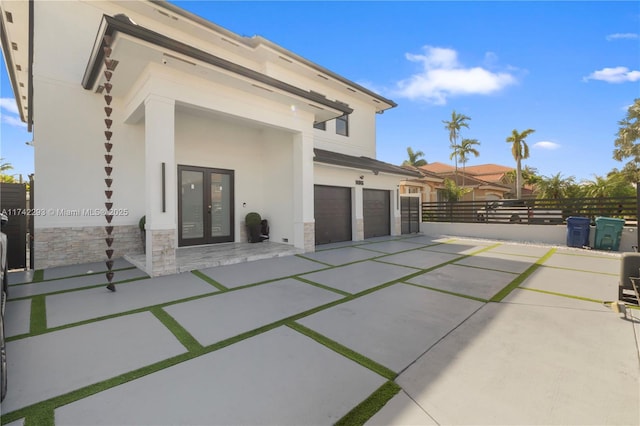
(345, 351)
(521, 278)
(367, 408)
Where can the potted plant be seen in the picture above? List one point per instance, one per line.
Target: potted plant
(143, 233)
(253, 223)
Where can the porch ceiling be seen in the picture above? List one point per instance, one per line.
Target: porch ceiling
(135, 48)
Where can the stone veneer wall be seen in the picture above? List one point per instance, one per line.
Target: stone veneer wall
(309, 237)
(68, 246)
(359, 230)
(164, 252)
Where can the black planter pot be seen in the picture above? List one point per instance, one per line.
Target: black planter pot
(254, 233)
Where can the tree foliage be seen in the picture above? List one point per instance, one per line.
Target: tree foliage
(453, 126)
(626, 146)
(453, 192)
(520, 151)
(415, 159)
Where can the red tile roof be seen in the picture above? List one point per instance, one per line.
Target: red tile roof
(438, 168)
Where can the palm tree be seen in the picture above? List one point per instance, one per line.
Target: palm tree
(467, 147)
(626, 142)
(414, 158)
(555, 187)
(5, 178)
(520, 151)
(457, 122)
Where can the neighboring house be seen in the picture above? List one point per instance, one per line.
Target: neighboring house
(481, 186)
(207, 126)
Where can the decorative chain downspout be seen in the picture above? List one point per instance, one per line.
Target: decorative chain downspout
(108, 73)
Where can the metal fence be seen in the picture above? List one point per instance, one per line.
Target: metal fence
(531, 211)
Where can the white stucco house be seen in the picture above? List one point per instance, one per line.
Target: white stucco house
(206, 125)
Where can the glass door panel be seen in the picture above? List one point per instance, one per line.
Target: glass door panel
(220, 204)
(192, 198)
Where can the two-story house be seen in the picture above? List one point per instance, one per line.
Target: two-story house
(141, 108)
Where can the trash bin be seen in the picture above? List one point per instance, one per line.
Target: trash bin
(608, 233)
(578, 231)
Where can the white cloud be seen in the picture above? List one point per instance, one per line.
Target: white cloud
(9, 105)
(618, 36)
(614, 75)
(546, 145)
(13, 121)
(443, 76)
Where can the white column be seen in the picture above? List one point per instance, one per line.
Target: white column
(161, 224)
(303, 209)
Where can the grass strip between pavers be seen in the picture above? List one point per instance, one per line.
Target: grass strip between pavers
(209, 280)
(42, 417)
(452, 293)
(322, 286)
(572, 296)
(38, 319)
(71, 290)
(345, 351)
(521, 278)
(181, 333)
(367, 408)
(38, 275)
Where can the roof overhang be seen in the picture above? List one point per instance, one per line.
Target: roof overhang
(135, 46)
(360, 163)
(16, 36)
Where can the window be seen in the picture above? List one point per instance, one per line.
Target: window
(342, 125)
(320, 126)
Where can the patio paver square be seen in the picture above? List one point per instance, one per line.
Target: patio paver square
(17, 317)
(68, 308)
(535, 298)
(395, 325)
(20, 277)
(469, 281)
(499, 262)
(516, 364)
(587, 262)
(576, 283)
(419, 259)
(52, 364)
(218, 317)
(341, 256)
(520, 250)
(424, 240)
(455, 248)
(390, 246)
(82, 268)
(237, 275)
(360, 276)
(276, 378)
(33, 289)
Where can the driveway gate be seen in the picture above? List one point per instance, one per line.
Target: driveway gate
(13, 201)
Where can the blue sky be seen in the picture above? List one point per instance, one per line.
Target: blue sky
(569, 70)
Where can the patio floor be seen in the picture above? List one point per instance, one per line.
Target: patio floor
(201, 257)
(392, 331)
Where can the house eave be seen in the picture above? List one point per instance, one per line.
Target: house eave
(109, 26)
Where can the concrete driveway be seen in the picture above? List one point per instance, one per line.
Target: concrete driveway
(412, 330)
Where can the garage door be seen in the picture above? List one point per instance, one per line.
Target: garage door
(376, 213)
(332, 214)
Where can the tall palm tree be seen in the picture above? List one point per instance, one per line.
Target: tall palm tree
(454, 125)
(414, 158)
(467, 147)
(520, 151)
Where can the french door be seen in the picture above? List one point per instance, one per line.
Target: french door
(205, 205)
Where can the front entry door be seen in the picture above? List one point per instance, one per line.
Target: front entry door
(205, 207)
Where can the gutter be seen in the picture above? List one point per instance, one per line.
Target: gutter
(122, 24)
